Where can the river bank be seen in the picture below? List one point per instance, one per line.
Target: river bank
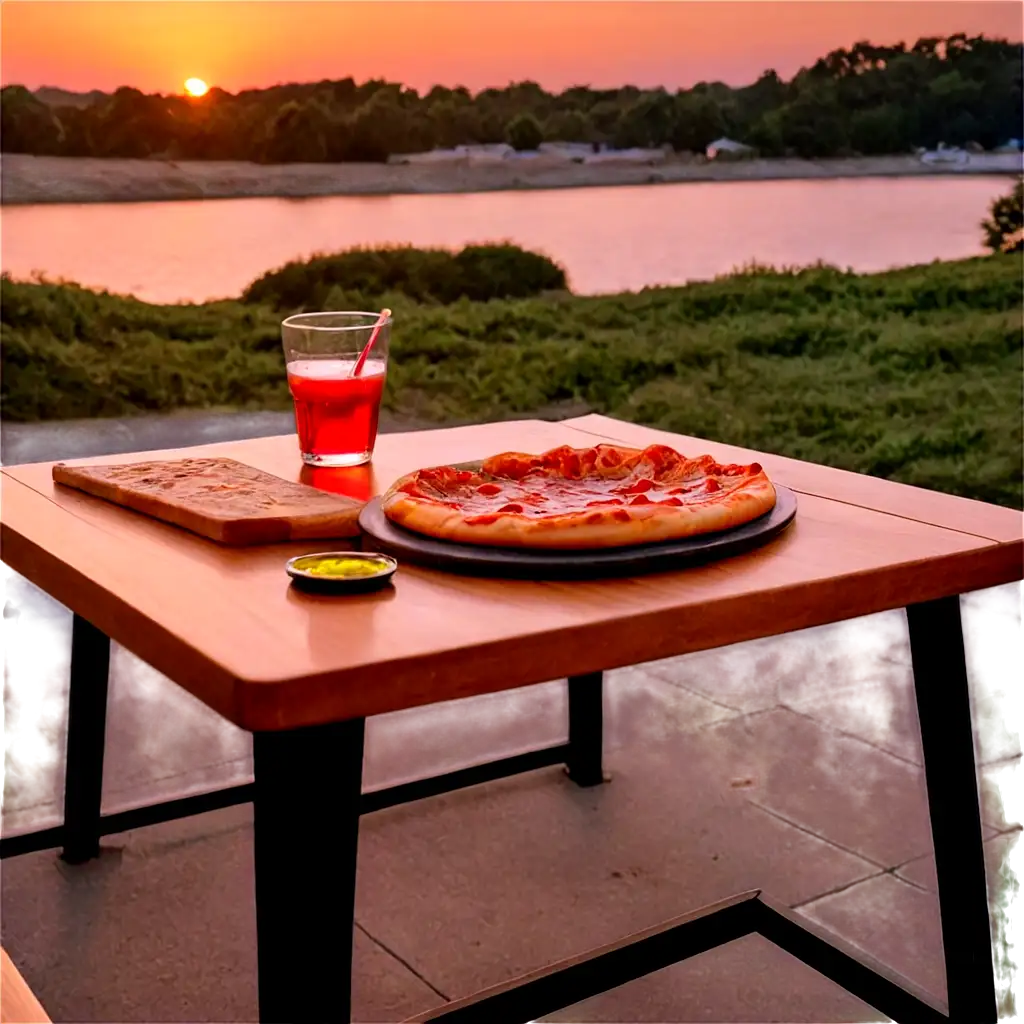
(28, 179)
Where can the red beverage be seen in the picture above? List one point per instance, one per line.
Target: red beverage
(336, 413)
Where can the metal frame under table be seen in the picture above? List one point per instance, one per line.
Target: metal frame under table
(292, 769)
(255, 652)
(85, 824)
(940, 683)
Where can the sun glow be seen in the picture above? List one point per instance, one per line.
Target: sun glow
(195, 87)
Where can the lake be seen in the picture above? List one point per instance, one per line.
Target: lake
(609, 239)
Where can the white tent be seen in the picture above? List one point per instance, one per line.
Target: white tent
(727, 147)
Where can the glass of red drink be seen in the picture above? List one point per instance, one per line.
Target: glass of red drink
(336, 409)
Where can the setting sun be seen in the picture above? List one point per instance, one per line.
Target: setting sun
(195, 87)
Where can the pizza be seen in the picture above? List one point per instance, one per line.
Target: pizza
(577, 498)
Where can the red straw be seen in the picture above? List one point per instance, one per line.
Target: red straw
(358, 368)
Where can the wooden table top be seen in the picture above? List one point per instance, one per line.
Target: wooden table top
(225, 624)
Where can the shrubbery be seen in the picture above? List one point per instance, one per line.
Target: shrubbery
(1004, 229)
(478, 272)
(524, 132)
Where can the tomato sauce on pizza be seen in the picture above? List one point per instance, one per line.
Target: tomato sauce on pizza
(578, 498)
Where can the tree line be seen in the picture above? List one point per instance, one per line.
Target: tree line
(867, 99)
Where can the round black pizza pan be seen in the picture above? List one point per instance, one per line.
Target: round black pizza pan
(476, 560)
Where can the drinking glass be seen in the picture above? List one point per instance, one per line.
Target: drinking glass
(336, 411)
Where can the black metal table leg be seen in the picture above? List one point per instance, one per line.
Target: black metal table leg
(943, 706)
(87, 723)
(306, 805)
(586, 729)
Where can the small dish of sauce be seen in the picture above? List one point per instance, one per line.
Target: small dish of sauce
(341, 572)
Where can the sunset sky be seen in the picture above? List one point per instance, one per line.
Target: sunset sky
(155, 45)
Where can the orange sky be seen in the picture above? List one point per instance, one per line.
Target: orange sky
(156, 44)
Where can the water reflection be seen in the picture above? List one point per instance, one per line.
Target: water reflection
(854, 676)
(609, 239)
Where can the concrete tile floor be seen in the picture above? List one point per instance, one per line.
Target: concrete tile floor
(749, 980)
(791, 764)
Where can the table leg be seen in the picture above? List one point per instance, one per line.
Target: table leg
(87, 722)
(306, 805)
(944, 710)
(586, 729)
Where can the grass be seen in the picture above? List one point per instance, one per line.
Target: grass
(913, 374)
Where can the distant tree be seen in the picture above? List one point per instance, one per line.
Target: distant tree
(438, 94)
(568, 126)
(765, 134)
(385, 125)
(343, 91)
(699, 119)
(1004, 228)
(77, 127)
(648, 122)
(878, 130)
(454, 118)
(767, 93)
(524, 132)
(864, 98)
(26, 124)
(931, 47)
(132, 124)
(813, 125)
(300, 133)
(604, 116)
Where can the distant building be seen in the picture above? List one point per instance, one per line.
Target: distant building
(947, 155)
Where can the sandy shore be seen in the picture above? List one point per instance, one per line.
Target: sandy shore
(31, 179)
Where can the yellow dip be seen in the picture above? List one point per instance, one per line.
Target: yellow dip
(342, 567)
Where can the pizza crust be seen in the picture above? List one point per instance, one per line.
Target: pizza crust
(748, 494)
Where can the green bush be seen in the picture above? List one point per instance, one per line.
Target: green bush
(478, 272)
(1004, 229)
(524, 132)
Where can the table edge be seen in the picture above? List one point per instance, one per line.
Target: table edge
(247, 701)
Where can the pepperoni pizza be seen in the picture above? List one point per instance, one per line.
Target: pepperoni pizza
(577, 498)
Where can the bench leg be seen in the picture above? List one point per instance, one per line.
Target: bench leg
(944, 710)
(586, 729)
(87, 722)
(306, 804)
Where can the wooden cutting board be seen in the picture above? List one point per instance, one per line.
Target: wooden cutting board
(222, 499)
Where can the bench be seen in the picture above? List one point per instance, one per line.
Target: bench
(17, 1003)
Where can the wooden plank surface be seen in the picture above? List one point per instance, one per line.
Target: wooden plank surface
(18, 1004)
(226, 625)
(222, 499)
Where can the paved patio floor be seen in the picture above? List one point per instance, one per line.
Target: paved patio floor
(790, 764)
